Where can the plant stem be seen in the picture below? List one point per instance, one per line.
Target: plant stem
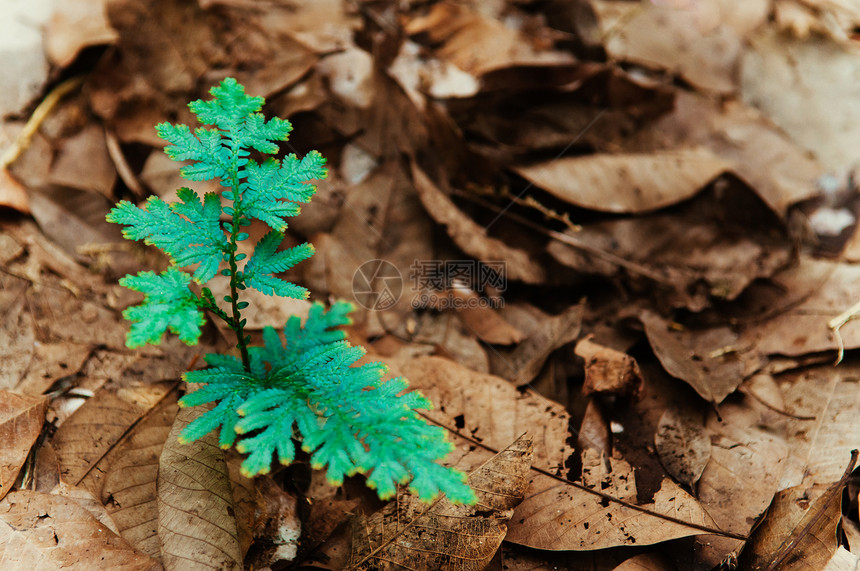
(238, 325)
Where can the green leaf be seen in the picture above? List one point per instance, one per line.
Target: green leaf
(266, 261)
(188, 231)
(205, 147)
(271, 182)
(229, 108)
(167, 304)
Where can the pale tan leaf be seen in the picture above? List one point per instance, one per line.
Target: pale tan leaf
(408, 533)
(21, 419)
(51, 362)
(74, 26)
(683, 444)
(843, 560)
(780, 74)
(13, 194)
(196, 511)
(43, 532)
(626, 183)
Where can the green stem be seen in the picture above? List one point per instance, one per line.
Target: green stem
(238, 323)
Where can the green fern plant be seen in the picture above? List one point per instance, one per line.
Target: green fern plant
(302, 387)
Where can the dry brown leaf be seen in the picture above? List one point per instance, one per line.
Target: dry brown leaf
(128, 484)
(477, 44)
(483, 320)
(594, 431)
(779, 171)
(52, 362)
(646, 562)
(196, 511)
(704, 251)
(46, 531)
(84, 439)
(626, 183)
(74, 26)
(739, 481)
(489, 408)
(83, 162)
(700, 41)
(21, 419)
(523, 363)
(814, 291)
(799, 531)
(471, 237)
(557, 516)
(820, 441)
(607, 371)
(709, 363)
(408, 533)
(17, 334)
(683, 444)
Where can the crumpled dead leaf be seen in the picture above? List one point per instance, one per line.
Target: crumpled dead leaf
(408, 533)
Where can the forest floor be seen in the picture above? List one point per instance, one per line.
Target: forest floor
(615, 243)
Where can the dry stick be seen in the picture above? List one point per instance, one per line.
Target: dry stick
(414, 521)
(35, 121)
(595, 492)
(834, 492)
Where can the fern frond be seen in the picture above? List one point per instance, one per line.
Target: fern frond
(188, 231)
(205, 147)
(168, 304)
(267, 261)
(273, 187)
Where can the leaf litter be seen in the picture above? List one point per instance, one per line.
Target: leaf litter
(677, 246)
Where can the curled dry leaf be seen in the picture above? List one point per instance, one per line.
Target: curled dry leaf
(21, 419)
(607, 371)
(46, 531)
(683, 444)
(410, 534)
(627, 183)
(196, 512)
